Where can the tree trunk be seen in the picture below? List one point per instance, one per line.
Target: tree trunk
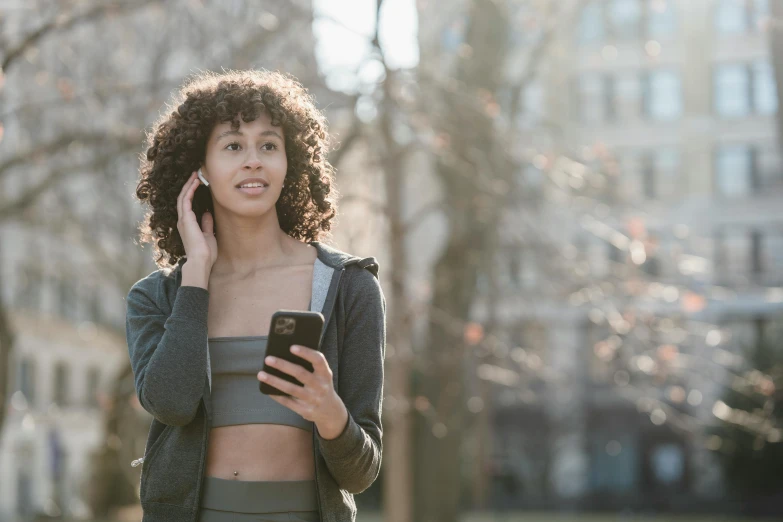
(398, 481)
(469, 170)
(7, 338)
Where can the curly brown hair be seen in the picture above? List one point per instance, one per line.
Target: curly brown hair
(177, 147)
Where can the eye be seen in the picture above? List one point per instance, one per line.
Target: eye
(274, 146)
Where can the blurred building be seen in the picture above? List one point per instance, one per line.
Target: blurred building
(62, 367)
(673, 103)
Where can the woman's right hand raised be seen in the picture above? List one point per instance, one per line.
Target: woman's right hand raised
(200, 245)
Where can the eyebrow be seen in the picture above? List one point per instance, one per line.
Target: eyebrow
(239, 133)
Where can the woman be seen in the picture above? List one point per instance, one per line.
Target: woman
(242, 244)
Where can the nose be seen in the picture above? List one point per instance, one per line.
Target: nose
(252, 160)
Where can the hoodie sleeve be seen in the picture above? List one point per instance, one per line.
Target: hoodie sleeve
(354, 456)
(168, 353)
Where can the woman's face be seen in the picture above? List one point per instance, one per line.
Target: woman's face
(255, 150)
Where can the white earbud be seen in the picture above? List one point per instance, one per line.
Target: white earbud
(201, 177)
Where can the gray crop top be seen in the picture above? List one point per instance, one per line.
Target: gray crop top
(234, 363)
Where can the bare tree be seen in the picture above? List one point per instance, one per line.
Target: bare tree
(471, 175)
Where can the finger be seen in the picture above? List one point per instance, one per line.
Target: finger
(288, 402)
(314, 356)
(182, 192)
(187, 201)
(207, 223)
(282, 385)
(290, 368)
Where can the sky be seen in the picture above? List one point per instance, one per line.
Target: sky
(342, 46)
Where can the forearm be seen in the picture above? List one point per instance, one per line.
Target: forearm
(353, 457)
(171, 367)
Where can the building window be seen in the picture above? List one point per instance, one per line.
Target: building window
(732, 90)
(614, 460)
(624, 18)
(772, 259)
(767, 172)
(591, 26)
(742, 89)
(663, 95)
(765, 95)
(731, 16)
(668, 181)
(27, 379)
(591, 89)
(734, 170)
(741, 170)
(600, 98)
(667, 461)
(661, 19)
(652, 174)
(61, 378)
(760, 13)
(740, 16)
(627, 96)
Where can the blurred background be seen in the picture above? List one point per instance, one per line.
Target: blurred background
(576, 206)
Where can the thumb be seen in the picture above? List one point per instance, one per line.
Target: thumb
(207, 223)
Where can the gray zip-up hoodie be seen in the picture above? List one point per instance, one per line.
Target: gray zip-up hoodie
(166, 329)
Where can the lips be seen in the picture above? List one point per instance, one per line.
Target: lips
(253, 191)
(264, 182)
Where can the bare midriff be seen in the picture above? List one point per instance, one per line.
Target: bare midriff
(259, 451)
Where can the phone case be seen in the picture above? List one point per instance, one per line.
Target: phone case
(288, 327)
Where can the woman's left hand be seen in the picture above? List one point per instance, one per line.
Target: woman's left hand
(316, 400)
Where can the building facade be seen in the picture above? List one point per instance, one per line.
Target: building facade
(650, 136)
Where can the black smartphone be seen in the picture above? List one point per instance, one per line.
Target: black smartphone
(289, 327)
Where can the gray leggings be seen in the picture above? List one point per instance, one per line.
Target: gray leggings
(258, 501)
